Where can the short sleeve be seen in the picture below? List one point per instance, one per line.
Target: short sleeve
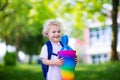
(44, 52)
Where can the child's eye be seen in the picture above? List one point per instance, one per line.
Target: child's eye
(54, 31)
(59, 31)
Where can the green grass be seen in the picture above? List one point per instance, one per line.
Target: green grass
(107, 71)
(21, 72)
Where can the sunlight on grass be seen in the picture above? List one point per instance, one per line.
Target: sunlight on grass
(80, 69)
(36, 68)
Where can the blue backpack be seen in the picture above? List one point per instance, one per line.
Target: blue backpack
(50, 52)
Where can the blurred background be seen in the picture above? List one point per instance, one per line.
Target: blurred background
(93, 27)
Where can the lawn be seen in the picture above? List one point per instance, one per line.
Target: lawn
(21, 72)
(107, 71)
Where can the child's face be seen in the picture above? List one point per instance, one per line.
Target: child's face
(54, 33)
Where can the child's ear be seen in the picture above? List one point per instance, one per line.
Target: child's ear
(46, 34)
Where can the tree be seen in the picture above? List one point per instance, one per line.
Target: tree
(23, 27)
(3, 4)
(13, 28)
(114, 12)
(32, 45)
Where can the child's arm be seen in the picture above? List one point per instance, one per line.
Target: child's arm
(57, 62)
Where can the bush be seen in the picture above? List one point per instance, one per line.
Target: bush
(10, 58)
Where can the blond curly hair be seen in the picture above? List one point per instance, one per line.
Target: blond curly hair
(48, 24)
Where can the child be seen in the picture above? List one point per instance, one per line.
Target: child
(52, 30)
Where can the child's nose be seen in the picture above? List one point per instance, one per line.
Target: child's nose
(57, 33)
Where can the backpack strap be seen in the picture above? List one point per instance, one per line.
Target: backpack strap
(49, 49)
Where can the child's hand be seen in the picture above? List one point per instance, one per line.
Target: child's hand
(76, 60)
(60, 61)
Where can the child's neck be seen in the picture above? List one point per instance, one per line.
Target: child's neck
(55, 42)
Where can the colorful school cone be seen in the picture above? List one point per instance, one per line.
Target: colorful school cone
(68, 68)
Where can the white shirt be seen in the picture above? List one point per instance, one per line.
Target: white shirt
(54, 71)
